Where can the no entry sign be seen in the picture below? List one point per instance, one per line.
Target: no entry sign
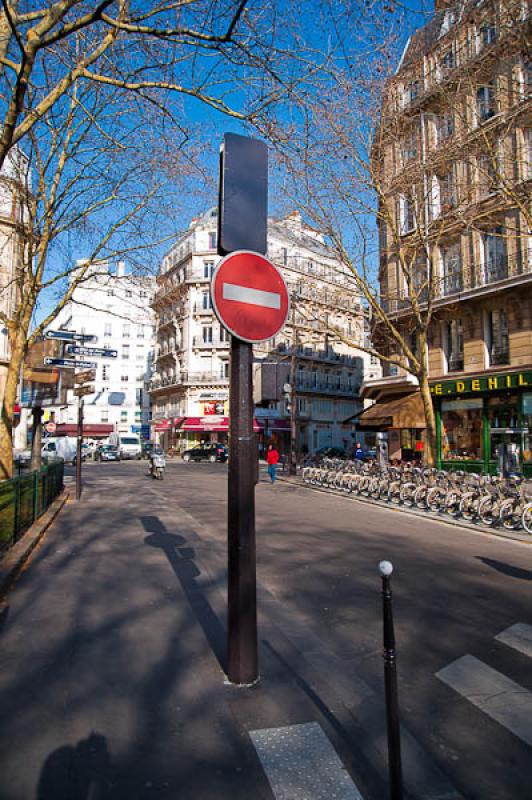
(249, 296)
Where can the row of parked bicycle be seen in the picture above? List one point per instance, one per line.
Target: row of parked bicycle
(491, 500)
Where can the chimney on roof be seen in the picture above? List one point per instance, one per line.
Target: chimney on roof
(121, 269)
(441, 5)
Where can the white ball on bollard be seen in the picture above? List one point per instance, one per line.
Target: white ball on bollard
(386, 568)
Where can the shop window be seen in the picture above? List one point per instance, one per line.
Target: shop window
(498, 343)
(454, 341)
(461, 430)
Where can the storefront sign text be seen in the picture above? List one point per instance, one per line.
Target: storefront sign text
(483, 383)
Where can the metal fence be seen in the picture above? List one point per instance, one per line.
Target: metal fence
(25, 498)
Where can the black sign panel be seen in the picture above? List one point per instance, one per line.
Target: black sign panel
(243, 198)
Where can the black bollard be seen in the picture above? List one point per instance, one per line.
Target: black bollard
(390, 686)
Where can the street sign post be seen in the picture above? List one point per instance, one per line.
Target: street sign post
(249, 305)
(79, 350)
(249, 296)
(69, 363)
(80, 391)
(70, 336)
(85, 376)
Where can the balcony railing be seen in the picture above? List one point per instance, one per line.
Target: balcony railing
(320, 355)
(198, 341)
(499, 356)
(475, 277)
(186, 378)
(327, 388)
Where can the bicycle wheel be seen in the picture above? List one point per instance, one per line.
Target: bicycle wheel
(435, 498)
(509, 517)
(489, 510)
(420, 497)
(407, 493)
(468, 506)
(527, 518)
(394, 492)
(452, 503)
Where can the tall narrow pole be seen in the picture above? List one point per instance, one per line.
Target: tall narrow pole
(292, 467)
(78, 448)
(242, 589)
(390, 686)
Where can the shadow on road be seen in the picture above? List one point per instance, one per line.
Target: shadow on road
(182, 562)
(507, 569)
(82, 772)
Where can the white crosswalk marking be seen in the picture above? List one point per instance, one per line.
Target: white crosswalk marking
(518, 636)
(301, 764)
(493, 693)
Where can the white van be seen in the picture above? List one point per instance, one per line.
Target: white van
(130, 446)
(61, 446)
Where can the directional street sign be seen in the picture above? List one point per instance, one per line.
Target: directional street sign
(69, 363)
(79, 391)
(84, 377)
(249, 296)
(70, 336)
(79, 350)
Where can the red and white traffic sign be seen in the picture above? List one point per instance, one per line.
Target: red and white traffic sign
(50, 427)
(249, 296)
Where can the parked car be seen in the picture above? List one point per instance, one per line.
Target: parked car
(107, 452)
(64, 447)
(130, 446)
(207, 452)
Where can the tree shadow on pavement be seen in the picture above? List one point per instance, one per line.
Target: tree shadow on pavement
(507, 569)
(82, 772)
(182, 562)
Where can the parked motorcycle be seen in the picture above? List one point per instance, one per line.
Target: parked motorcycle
(158, 465)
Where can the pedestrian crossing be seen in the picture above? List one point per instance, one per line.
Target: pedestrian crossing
(496, 695)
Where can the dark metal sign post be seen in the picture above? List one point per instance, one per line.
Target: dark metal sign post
(78, 448)
(242, 222)
(390, 686)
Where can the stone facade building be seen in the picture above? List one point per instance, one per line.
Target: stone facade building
(190, 389)
(453, 160)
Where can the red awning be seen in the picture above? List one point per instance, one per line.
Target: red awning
(210, 424)
(89, 429)
(162, 425)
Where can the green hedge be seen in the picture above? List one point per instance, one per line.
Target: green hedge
(25, 498)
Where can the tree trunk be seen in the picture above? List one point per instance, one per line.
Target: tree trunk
(36, 440)
(8, 403)
(430, 422)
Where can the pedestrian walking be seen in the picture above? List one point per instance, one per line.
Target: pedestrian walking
(272, 458)
(359, 453)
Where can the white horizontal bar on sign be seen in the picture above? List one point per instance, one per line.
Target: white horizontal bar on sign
(255, 297)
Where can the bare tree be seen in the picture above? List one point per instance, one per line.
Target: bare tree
(388, 183)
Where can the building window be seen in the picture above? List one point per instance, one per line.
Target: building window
(444, 127)
(494, 259)
(208, 268)
(125, 352)
(140, 332)
(454, 345)
(212, 240)
(407, 213)
(125, 331)
(284, 255)
(409, 148)
(224, 335)
(448, 197)
(105, 372)
(143, 293)
(124, 378)
(225, 369)
(104, 415)
(448, 61)
(487, 174)
(527, 154)
(207, 334)
(486, 102)
(452, 268)
(123, 416)
(129, 293)
(206, 301)
(110, 292)
(107, 329)
(498, 342)
(487, 34)
(411, 92)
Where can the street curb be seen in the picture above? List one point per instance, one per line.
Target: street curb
(473, 528)
(13, 561)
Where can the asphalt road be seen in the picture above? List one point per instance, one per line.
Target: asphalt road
(455, 591)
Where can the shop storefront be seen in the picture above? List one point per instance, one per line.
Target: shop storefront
(402, 420)
(480, 417)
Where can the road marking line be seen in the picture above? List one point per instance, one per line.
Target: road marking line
(301, 764)
(255, 297)
(500, 698)
(518, 636)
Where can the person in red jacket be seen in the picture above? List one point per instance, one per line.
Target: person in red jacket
(272, 459)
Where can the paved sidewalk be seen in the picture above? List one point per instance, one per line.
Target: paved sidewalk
(112, 678)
